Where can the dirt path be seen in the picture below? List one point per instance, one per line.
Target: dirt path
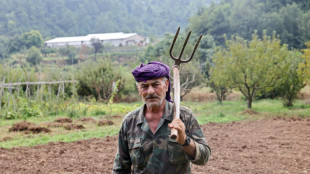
(266, 146)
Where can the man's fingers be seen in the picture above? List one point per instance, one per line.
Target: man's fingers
(177, 121)
(177, 125)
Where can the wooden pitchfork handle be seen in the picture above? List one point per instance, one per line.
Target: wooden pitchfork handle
(176, 99)
(176, 78)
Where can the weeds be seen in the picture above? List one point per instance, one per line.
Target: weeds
(98, 112)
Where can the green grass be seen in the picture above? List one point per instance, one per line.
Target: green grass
(230, 111)
(205, 112)
(100, 132)
(275, 107)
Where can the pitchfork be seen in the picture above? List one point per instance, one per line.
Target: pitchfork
(176, 77)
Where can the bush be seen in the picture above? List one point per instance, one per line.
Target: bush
(76, 111)
(47, 50)
(25, 110)
(70, 52)
(9, 115)
(32, 111)
(97, 79)
(34, 56)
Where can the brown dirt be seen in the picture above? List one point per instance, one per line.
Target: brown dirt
(249, 112)
(307, 101)
(21, 126)
(112, 116)
(197, 96)
(233, 96)
(87, 120)
(105, 122)
(53, 124)
(39, 129)
(264, 147)
(73, 126)
(6, 139)
(303, 95)
(63, 120)
(28, 127)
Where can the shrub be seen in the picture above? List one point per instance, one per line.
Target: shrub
(97, 79)
(34, 56)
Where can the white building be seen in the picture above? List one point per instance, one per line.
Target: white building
(115, 39)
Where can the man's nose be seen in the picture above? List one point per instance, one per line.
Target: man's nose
(150, 90)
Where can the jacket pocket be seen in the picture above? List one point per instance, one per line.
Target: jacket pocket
(176, 152)
(136, 154)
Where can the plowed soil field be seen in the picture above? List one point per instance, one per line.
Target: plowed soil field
(264, 146)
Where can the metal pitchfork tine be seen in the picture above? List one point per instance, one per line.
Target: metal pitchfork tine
(176, 77)
(178, 60)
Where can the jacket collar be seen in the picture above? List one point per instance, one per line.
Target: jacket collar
(168, 113)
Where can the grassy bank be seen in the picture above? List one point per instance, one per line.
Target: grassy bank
(205, 112)
(230, 111)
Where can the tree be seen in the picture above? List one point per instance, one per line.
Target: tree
(25, 41)
(97, 44)
(290, 19)
(205, 53)
(34, 56)
(250, 66)
(218, 78)
(32, 38)
(214, 20)
(47, 50)
(97, 79)
(245, 18)
(15, 44)
(190, 76)
(304, 67)
(291, 82)
(293, 26)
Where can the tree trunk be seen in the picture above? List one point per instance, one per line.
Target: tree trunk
(289, 102)
(249, 103)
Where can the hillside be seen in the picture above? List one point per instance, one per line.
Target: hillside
(78, 17)
(290, 19)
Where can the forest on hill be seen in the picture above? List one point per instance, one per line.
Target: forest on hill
(79, 17)
(290, 19)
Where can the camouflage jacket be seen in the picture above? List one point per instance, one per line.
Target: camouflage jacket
(141, 151)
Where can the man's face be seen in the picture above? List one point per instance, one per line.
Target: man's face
(153, 92)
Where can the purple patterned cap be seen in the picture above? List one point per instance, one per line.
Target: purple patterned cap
(152, 70)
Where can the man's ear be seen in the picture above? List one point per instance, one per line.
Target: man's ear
(167, 85)
(137, 86)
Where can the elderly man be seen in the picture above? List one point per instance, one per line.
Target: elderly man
(144, 144)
